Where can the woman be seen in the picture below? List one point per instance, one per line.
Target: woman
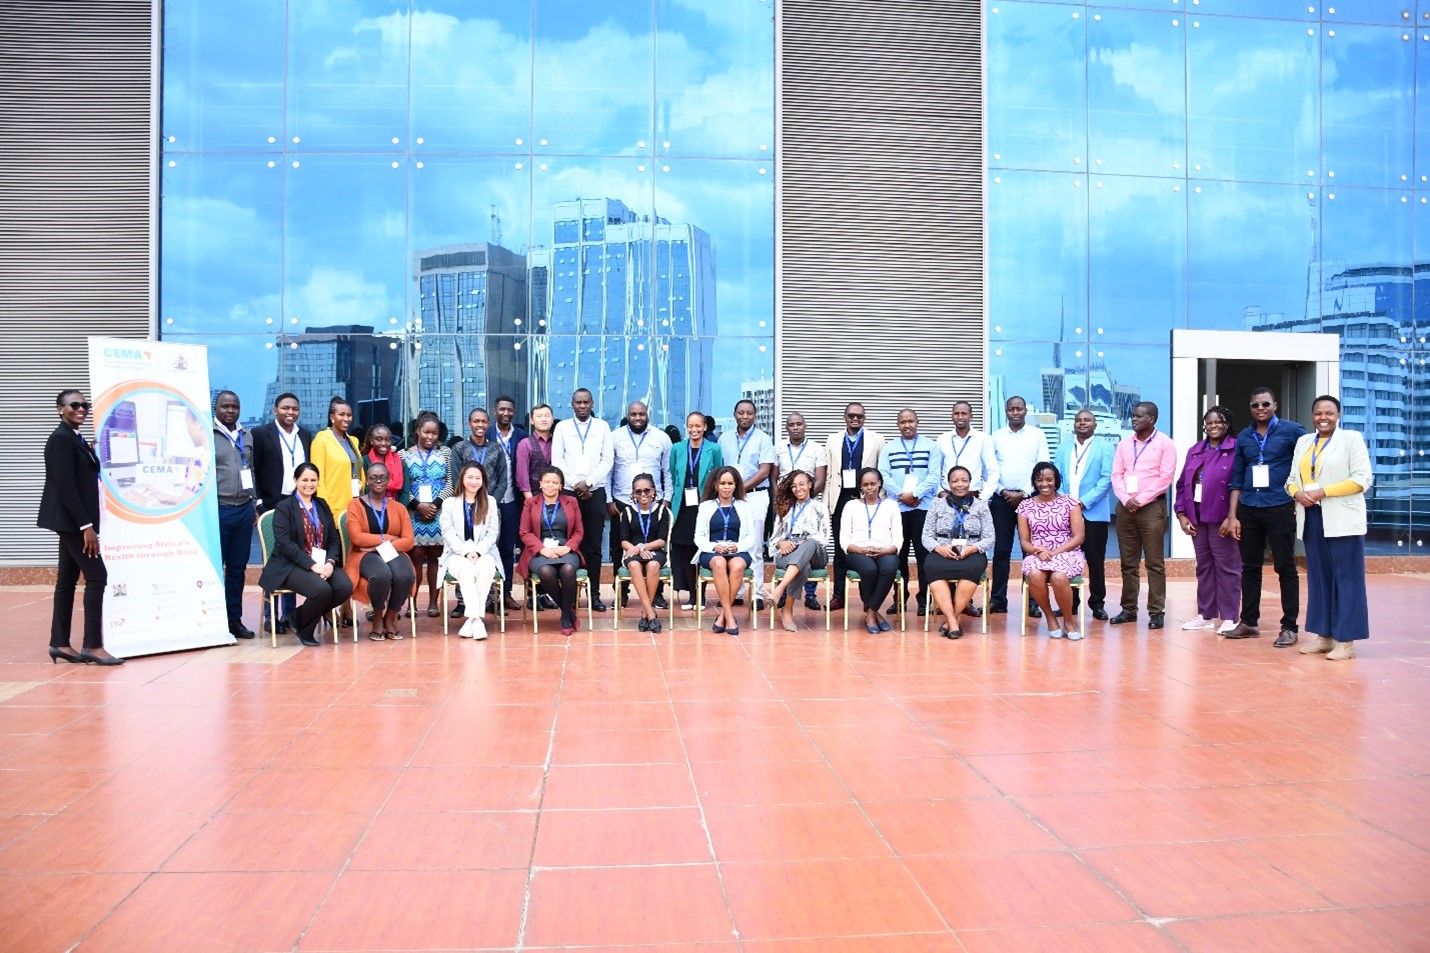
(306, 550)
(725, 532)
(379, 539)
(1203, 503)
(1328, 481)
(871, 534)
(799, 541)
(692, 460)
(641, 531)
(1050, 530)
(377, 448)
(336, 454)
(534, 453)
(551, 537)
(427, 468)
(958, 534)
(471, 526)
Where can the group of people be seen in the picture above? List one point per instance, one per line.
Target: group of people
(504, 502)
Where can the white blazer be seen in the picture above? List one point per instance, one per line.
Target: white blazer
(749, 532)
(1344, 457)
(834, 450)
(455, 544)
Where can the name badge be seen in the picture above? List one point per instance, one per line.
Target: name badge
(387, 551)
(1197, 493)
(958, 544)
(1309, 487)
(692, 497)
(1260, 476)
(357, 487)
(319, 556)
(424, 493)
(851, 480)
(550, 541)
(245, 478)
(911, 483)
(1132, 483)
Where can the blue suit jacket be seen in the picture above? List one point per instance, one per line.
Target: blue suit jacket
(1095, 488)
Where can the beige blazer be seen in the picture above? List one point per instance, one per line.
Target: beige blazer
(1343, 458)
(834, 450)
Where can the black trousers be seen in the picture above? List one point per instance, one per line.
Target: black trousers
(1005, 528)
(913, 522)
(388, 583)
(320, 596)
(72, 563)
(876, 577)
(509, 541)
(593, 525)
(1275, 526)
(1094, 547)
(841, 560)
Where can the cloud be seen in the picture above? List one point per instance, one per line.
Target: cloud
(336, 296)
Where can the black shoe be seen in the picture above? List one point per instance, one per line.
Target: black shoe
(1034, 612)
(998, 608)
(240, 631)
(89, 659)
(660, 602)
(836, 604)
(597, 605)
(1058, 613)
(1100, 614)
(923, 611)
(1123, 617)
(57, 654)
(545, 602)
(893, 609)
(459, 610)
(784, 597)
(654, 624)
(812, 602)
(644, 624)
(739, 601)
(282, 627)
(972, 612)
(1156, 622)
(760, 605)
(307, 639)
(1286, 638)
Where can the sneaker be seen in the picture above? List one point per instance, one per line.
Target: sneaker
(1199, 622)
(1226, 627)
(466, 630)
(479, 629)
(660, 602)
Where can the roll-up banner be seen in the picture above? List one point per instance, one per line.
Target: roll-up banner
(158, 529)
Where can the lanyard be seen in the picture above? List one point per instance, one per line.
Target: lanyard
(694, 466)
(853, 449)
(644, 519)
(1315, 453)
(237, 444)
(312, 515)
(958, 454)
(1138, 447)
(467, 510)
(381, 515)
(960, 514)
(869, 516)
(482, 460)
(348, 449)
(794, 457)
(798, 512)
(725, 519)
(1261, 441)
(1078, 456)
(740, 446)
(582, 436)
(637, 443)
(506, 441)
(908, 455)
(549, 519)
(292, 448)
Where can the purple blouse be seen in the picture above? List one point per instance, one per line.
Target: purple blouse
(1211, 466)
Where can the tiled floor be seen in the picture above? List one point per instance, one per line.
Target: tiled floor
(688, 792)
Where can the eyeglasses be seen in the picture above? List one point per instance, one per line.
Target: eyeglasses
(1261, 404)
(646, 491)
(377, 478)
(79, 405)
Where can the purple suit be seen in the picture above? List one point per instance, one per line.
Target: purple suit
(1218, 557)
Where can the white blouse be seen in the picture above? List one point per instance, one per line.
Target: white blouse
(879, 525)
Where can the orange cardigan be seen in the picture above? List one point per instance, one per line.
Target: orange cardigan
(399, 533)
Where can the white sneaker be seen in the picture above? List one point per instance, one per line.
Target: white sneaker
(479, 629)
(466, 630)
(1226, 627)
(1055, 634)
(1074, 636)
(1198, 623)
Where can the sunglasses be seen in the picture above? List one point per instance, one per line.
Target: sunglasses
(646, 491)
(1261, 404)
(79, 405)
(854, 416)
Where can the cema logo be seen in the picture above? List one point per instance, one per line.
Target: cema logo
(126, 354)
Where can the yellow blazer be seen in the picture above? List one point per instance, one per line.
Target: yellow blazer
(335, 470)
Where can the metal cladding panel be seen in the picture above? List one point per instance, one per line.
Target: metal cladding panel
(76, 96)
(881, 245)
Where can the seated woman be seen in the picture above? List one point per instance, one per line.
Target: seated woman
(551, 535)
(725, 532)
(471, 526)
(641, 531)
(799, 540)
(958, 534)
(871, 532)
(306, 550)
(1050, 530)
(379, 538)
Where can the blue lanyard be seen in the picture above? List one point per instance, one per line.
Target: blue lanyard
(908, 454)
(794, 457)
(237, 444)
(348, 449)
(644, 519)
(291, 447)
(634, 442)
(1261, 441)
(1138, 447)
(312, 515)
(869, 517)
(381, 516)
(853, 449)
(960, 514)
(694, 465)
(740, 446)
(482, 460)
(505, 441)
(467, 510)
(958, 454)
(798, 512)
(1315, 453)
(1077, 456)
(582, 436)
(725, 519)
(549, 518)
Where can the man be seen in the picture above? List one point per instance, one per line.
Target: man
(797, 453)
(1262, 513)
(635, 449)
(233, 470)
(1086, 465)
(492, 458)
(1142, 470)
(912, 469)
(855, 448)
(278, 447)
(581, 447)
(1018, 448)
(751, 451)
(509, 436)
(964, 446)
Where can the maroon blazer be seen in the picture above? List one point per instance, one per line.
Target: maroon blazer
(531, 528)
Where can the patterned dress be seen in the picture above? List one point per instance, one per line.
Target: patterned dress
(434, 470)
(1050, 525)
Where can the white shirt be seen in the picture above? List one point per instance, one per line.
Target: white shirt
(808, 456)
(292, 455)
(878, 524)
(973, 452)
(1077, 462)
(1018, 452)
(634, 454)
(747, 453)
(583, 452)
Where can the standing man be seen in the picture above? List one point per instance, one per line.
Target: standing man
(1086, 465)
(233, 468)
(798, 453)
(278, 447)
(509, 436)
(1142, 470)
(1262, 513)
(492, 459)
(1018, 448)
(751, 451)
(635, 449)
(855, 448)
(972, 449)
(581, 446)
(911, 466)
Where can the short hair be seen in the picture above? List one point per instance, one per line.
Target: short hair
(793, 414)
(583, 390)
(1224, 413)
(963, 403)
(907, 410)
(1018, 398)
(1043, 466)
(1149, 406)
(954, 469)
(478, 410)
(1329, 398)
(548, 469)
(634, 402)
(60, 397)
(853, 403)
(287, 395)
(426, 417)
(378, 465)
(1263, 389)
(745, 400)
(225, 393)
(874, 470)
(713, 480)
(507, 398)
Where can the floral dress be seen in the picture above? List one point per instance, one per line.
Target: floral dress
(434, 469)
(1050, 525)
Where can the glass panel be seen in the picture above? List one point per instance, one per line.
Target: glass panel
(1374, 386)
(1420, 210)
(245, 364)
(340, 361)
(347, 75)
(221, 262)
(1015, 370)
(1422, 102)
(1392, 12)
(1037, 86)
(1419, 542)
(1252, 257)
(592, 77)
(1252, 100)
(1136, 92)
(1037, 255)
(715, 78)
(1260, 9)
(735, 369)
(1120, 375)
(1366, 272)
(223, 75)
(1366, 110)
(1137, 260)
(471, 77)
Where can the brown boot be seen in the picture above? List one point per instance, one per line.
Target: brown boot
(1342, 651)
(1322, 645)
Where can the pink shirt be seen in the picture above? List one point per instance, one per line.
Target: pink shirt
(1154, 462)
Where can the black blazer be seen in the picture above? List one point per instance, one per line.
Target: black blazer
(290, 549)
(268, 462)
(70, 496)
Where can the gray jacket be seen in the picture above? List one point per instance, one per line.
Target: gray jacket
(942, 518)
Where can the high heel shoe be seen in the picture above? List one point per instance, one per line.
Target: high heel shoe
(57, 654)
(88, 659)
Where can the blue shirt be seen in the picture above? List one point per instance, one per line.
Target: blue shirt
(1280, 448)
(919, 458)
(748, 453)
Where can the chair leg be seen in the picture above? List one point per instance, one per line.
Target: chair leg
(987, 588)
(1023, 608)
(828, 597)
(412, 614)
(591, 590)
(273, 620)
(535, 595)
(445, 614)
(903, 598)
(501, 607)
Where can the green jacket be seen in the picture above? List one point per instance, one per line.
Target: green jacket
(710, 459)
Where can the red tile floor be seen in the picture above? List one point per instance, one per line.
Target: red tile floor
(684, 792)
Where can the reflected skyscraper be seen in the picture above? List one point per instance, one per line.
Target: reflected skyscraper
(343, 360)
